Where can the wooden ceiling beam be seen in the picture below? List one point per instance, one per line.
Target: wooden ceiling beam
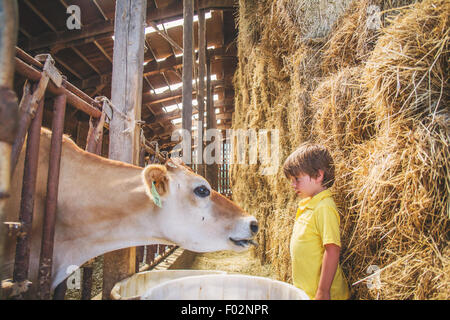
(163, 117)
(86, 60)
(150, 99)
(171, 12)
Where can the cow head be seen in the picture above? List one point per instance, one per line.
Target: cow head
(191, 214)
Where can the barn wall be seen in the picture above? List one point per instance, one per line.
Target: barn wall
(377, 98)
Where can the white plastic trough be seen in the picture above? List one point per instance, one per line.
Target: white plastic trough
(133, 287)
(224, 287)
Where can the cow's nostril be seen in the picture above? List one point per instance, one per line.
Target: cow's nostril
(254, 226)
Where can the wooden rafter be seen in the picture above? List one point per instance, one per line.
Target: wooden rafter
(171, 12)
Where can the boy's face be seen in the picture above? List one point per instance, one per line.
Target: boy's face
(306, 186)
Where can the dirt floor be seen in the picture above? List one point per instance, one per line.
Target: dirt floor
(233, 262)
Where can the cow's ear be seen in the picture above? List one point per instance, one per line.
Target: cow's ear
(156, 181)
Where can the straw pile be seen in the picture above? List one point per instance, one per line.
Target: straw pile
(379, 100)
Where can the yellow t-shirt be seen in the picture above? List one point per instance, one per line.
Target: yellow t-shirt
(316, 224)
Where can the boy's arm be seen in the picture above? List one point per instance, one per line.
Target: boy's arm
(329, 266)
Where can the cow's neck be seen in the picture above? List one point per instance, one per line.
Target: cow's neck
(111, 213)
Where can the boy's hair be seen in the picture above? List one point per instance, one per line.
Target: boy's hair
(309, 159)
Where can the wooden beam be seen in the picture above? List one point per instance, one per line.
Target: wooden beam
(57, 38)
(99, 8)
(171, 12)
(202, 48)
(175, 10)
(102, 50)
(86, 60)
(167, 116)
(40, 15)
(126, 96)
(188, 15)
(152, 99)
(151, 68)
(211, 171)
(69, 68)
(166, 36)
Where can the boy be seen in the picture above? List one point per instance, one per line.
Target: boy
(315, 241)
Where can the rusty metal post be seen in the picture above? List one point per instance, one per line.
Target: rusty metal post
(48, 232)
(22, 257)
(8, 103)
(86, 288)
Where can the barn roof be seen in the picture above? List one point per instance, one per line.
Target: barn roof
(85, 56)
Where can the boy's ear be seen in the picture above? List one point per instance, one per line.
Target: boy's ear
(320, 174)
(157, 175)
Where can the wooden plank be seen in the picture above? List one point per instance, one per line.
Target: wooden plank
(126, 96)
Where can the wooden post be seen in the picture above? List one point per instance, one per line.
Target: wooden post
(201, 88)
(211, 169)
(188, 16)
(126, 94)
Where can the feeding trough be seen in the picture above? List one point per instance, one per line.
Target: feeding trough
(133, 287)
(224, 287)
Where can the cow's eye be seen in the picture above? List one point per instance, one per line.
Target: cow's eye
(202, 191)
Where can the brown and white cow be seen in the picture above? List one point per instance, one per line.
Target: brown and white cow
(105, 205)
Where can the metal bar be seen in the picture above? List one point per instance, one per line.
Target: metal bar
(86, 289)
(22, 257)
(33, 74)
(24, 124)
(48, 231)
(27, 110)
(70, 91)
(8, 40)
(8, 104)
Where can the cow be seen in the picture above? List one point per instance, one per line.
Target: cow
(104, 205)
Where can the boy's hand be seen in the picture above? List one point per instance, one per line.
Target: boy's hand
(322, 295)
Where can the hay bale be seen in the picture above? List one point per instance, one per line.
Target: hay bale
(407, 72)
(400, 212)
(356, 32)
(342, 116)
(383, 115)
(311, 19)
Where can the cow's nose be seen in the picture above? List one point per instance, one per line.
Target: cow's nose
(254, 226)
